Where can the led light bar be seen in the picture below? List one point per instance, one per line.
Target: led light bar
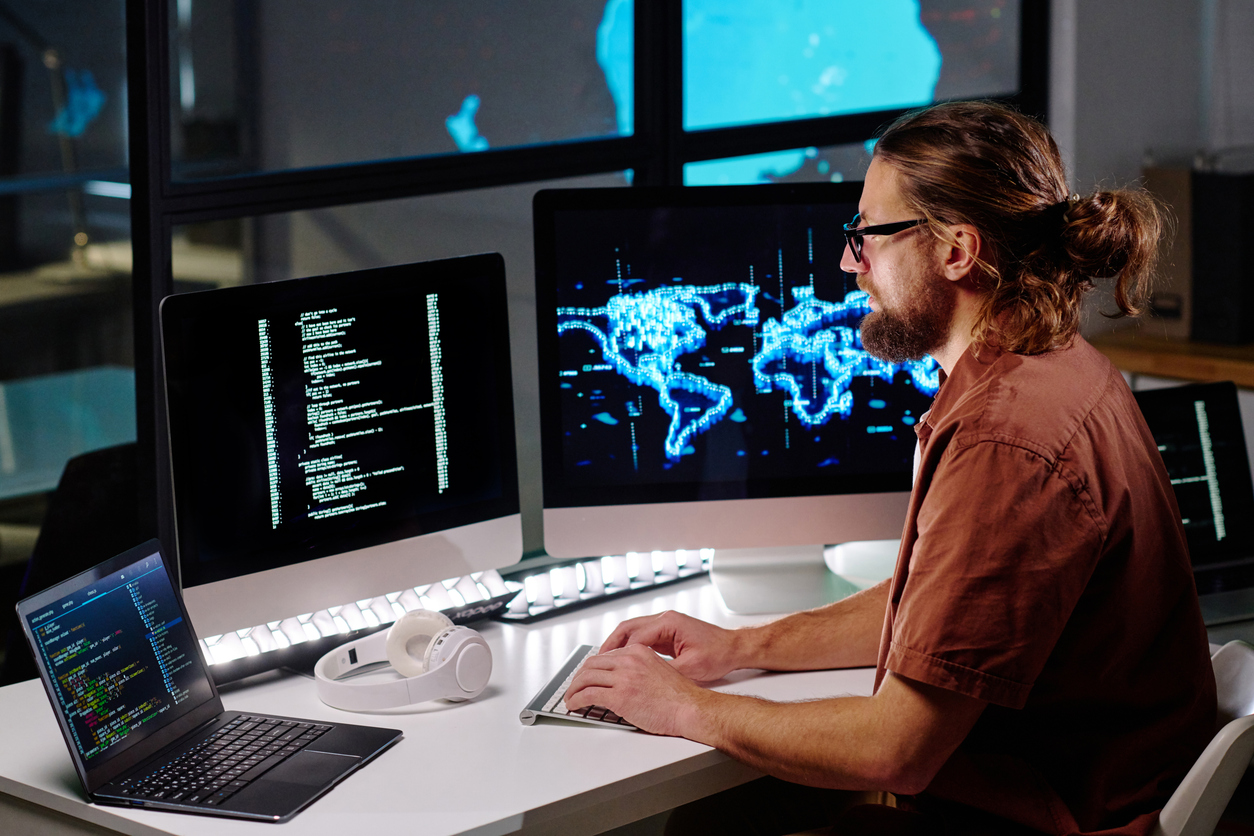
(267, 646)
(298, 641)
(557, 589)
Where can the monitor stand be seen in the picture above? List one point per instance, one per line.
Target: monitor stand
(791, 578)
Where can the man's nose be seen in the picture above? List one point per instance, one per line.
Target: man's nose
(850, 264)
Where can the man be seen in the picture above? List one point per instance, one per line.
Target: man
(1041, 660)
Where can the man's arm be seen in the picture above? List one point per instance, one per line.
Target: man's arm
(896, 740)
(845, 634)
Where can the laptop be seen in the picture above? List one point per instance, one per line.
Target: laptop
(141, 715)
(1200, 435)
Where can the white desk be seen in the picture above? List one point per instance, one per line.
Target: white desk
(471, 768)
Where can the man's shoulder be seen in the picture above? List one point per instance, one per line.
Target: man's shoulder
(1039, 399)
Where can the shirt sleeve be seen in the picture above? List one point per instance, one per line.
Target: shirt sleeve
(1006, 543)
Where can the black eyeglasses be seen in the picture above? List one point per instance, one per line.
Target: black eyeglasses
(854, 233)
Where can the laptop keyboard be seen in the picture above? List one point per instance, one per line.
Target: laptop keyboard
(225, 762)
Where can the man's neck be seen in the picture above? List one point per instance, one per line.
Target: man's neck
(960, 339)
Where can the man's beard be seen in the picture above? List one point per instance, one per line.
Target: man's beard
(920, 325)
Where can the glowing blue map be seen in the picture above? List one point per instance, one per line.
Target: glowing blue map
(816, 351)
(813, 354)
(644, 334)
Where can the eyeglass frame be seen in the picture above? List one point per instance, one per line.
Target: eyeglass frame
(854, 233)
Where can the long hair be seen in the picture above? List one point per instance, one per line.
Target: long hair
(987, 165)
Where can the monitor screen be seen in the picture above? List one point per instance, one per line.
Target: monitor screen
(1199, 433)
(356, 429)
(702, 377)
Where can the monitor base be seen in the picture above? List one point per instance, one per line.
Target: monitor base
(791, 578)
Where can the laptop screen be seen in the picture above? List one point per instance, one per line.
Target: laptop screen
(120, 658)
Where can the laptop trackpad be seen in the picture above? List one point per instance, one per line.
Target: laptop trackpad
(291, 784)
(313, 769)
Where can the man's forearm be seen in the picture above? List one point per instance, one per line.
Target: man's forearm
(823, 744)
(895, 740)
(845, 634)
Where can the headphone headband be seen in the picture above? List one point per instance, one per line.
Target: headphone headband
(456, 660)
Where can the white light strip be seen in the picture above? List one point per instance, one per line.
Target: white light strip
(370, 612)
(106, 188)
(585, 580)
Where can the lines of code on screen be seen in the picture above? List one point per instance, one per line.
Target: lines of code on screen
(120, 655)
(1194, 465)
(329, 414)
(341, 414)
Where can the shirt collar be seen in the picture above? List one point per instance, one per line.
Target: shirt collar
(971, 366)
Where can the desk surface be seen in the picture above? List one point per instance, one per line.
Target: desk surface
(465, 768)
(1140, 351)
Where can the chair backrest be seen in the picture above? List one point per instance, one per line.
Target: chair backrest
(1197, 804)
(1234, 681)
(92, 516)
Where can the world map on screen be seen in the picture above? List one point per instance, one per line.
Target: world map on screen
(812, 353)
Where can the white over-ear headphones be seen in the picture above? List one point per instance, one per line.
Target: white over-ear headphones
(438, 660)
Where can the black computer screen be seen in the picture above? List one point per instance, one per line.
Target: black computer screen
(316, 416)
(1199, 433)
(121, 658)
(703, 343)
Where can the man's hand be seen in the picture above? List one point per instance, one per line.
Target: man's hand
(638, 685)
(699, 651)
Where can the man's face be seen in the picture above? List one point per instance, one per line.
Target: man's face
(912, 304)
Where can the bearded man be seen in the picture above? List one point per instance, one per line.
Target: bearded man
(1041, 662)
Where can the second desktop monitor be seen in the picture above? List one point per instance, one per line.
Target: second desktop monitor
(702, 376)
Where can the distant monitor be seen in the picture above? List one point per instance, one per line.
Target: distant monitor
(702, 378)
(340, 437)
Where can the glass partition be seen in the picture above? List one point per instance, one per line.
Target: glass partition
(286, 84)
(812, 58)
(67, 382)
(830, 164)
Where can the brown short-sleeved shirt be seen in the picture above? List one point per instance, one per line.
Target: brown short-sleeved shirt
(1044, 570)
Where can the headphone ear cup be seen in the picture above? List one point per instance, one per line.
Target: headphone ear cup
(433, 657)
(409, 640)
(469, 657)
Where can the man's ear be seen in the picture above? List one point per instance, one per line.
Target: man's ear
(961, 255)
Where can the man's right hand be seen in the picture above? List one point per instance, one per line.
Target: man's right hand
(700, 651)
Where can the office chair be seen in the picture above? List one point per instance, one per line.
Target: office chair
(92, 515)
(1198, 803)
(1196, 806)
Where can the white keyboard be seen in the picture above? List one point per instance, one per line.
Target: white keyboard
(548, 703)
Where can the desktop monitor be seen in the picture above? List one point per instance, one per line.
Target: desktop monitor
(702, 378)
(339, 437)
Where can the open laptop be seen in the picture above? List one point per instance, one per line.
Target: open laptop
(141, 715)
(1199, 433)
